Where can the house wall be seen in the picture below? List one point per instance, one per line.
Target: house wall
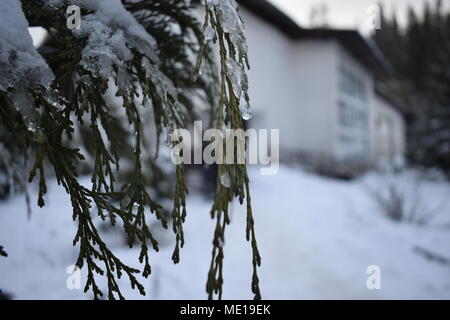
(384, 140)
(290, 86)
(388, 135)
(315, 95)
(352, 133)
(295, 87)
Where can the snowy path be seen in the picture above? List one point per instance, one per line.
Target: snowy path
(317, 237)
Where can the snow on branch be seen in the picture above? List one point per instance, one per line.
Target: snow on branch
(20, 63)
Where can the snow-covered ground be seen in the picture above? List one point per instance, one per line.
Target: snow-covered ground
(317, 236)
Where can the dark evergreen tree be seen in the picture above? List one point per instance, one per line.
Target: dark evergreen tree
(420, 55)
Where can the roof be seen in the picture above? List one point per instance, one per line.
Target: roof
(385, 92)
(362, 49)
(267, 11)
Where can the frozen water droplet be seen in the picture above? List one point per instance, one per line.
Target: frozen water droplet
(246, 111)
(225, 180)
(228, 15)
(32, 126)
(168, 142)
(146, 102)
(168, 138)
(202, 69)
(236, 74)
(220, 243)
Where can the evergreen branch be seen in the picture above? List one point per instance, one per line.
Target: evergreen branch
(231, 51)
(179, 212)
(160, 76)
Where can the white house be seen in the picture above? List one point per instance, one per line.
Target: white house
(320, 87)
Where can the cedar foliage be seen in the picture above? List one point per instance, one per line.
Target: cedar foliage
(165, 86)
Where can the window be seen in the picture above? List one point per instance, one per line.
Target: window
(353, 147)
(352, 116)
(352, 83)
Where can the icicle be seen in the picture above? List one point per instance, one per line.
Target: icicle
(231, 22)
(220, 243)
(167, 137)
(32, 126)
(146, 102)
(246, 112)
(236, 74)
(163, 84)
(201, 70)
(225, 179)
(123, 80)
(53, 99)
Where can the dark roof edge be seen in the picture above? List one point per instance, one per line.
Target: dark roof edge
(269, 12)
(383, 91)
(361, 48)
(364, 49)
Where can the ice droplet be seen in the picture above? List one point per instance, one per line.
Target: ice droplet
(164, 85)
(167, 137)
(225, 180)
(228, 16)
(246, 111)
(146, 102)
(32, 126)
(236, 74)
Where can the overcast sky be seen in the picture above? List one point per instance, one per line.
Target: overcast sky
(348, 13)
